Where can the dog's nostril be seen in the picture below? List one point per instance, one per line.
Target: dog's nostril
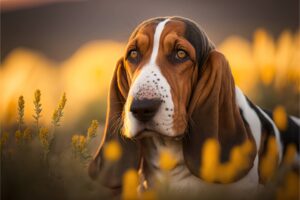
(144, 109)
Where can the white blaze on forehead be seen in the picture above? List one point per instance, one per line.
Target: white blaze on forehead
(156, 40)
(150, 83)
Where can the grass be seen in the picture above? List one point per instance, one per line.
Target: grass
(33, 166)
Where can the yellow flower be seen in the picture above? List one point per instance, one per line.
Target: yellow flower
(239, 156)
(62, 102)
(149, 195)
(167, 160)
(37, 107)
(44, 137)
(21, 106)
(18, 136)
(263, 55)
(130, 184)
(290, 154)
(27, 134)
(213, 170)
(280, 118)
(237, 159)
(210, 159)
(268, 162)
(58, 113)
(226, 172)
(238, 162)
(75, 141)
(92, 129)
(4, 138)
(37, 96)
(267, 74)
(79, 143)
(247, 147)
(112, 151)
(290, 187)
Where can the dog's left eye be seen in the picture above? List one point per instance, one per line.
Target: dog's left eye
(181, 54)
(133, 54)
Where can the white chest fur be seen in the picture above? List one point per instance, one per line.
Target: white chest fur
(179, 178)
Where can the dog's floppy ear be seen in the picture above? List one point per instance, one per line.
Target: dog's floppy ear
(213, 112)
(112, 172)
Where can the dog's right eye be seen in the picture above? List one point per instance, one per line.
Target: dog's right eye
(133, 56)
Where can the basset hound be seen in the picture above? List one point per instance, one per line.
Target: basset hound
(173, 90)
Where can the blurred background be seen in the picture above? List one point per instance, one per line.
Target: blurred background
(73, 45)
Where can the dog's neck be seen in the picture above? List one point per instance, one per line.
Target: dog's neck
(152, 147)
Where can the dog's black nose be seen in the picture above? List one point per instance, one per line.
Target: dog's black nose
(144, 109)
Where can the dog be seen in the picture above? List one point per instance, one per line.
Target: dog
(173, 90)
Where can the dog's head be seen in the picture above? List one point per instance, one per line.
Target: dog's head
(171, 81)
(162, 63)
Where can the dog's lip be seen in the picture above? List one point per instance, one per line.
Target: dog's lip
(146, 132)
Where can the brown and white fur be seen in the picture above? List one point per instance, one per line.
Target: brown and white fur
(193, 98)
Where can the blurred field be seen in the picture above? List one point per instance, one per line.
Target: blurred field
(267, 69)
(84, 77)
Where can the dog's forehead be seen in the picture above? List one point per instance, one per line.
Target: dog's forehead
(148, 28)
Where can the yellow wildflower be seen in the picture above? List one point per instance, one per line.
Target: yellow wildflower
(290, 154)
(130, 184)
(21, 106)
(79, 143)
(92, 129)
(167, 160)
(267, 74)
(226, 172)
(268, 163)
(247, 147)
(210, 160)
(62, 101)
(112, 151)
(290, 187)
(18, 136)
(58, 113)
(27, 134)
(37, 107)
(239, 155)
(237, 158)
(263, 55)
(212, 170)
(44, 137)
(149, 195)
(280, 118)
(74, 141)
(4, 138)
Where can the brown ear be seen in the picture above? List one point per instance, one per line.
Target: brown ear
(111, 173)
(213, 113)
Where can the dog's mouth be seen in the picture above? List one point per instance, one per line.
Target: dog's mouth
(146, 132)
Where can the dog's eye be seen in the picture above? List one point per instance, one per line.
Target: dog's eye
(133, 56)
(181, 54)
